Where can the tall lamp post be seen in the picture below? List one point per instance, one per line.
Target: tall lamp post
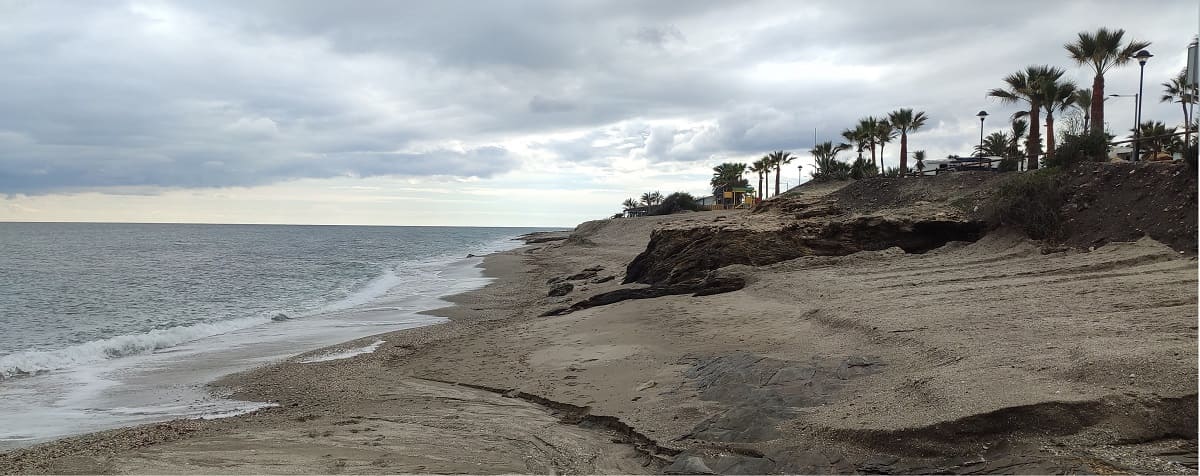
(799, 174)
(1142, 57)
(982, 115)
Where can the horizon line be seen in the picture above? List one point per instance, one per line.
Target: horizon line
(2, 221)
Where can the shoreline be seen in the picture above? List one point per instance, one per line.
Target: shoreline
(288, 404)
(820, 364)
(463, 273)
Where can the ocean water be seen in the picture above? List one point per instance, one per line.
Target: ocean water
(107, 325)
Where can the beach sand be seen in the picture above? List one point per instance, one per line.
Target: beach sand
(992, 356)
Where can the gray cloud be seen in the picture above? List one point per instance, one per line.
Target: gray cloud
(111, 94)
(544, 104)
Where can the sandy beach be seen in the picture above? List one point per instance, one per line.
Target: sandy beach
(1000, 355)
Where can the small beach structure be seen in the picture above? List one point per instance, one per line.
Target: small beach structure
(734, 197)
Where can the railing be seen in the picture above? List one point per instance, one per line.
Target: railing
(1023, 160)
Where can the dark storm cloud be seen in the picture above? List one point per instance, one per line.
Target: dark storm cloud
(109, 94)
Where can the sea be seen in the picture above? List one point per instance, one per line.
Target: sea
(111, 325)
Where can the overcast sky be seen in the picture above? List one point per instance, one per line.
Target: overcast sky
(495, 112)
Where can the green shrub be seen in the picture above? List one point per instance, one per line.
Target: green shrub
(860, 169)
(1075, 148)
(675, 203)
(831, 170)
(1010, 164)
(1031, 201)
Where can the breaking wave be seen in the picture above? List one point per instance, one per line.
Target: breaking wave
(35, 361)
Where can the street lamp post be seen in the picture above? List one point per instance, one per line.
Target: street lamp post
(1142, 57)
(982, 115)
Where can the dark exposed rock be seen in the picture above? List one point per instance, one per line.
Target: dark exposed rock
(585, 274)
(696, 287)
(676, 255)
(603, 279)
(561, 289)
(556, 280)
(544, 239)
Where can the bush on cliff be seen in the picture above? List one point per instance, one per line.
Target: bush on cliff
(1032, 202)
(675, 203)
(859, 170)
(831, 169)
(1081, 147)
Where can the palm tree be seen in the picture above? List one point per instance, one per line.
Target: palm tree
(1083, 101)
(1019, 128)
(1178, 90)
(727, 176)
(884, 133)
(905, 121)
(919, 157)
(867, 127)
(757, 167)
(629, 204)
(1027, 86)
(1155, 136)
(780, 158)
(1102, 50)
(1056, 96)
(995, 144)
(652, 198)
(826, 166)
(768, 164)
(855, 138)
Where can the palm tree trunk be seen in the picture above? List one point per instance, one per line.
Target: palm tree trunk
(1098, 104)
(1049, 135)
(873, 161)
(767, 184)
(760, 186)
(1034, 144)
(903, 153)
(1187, 124)
(777, 174)
(880, 166)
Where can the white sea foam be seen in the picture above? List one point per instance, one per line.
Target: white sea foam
(35, 361)
(373, 289)
(152, 376)
(345, 354)
(248, 408)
